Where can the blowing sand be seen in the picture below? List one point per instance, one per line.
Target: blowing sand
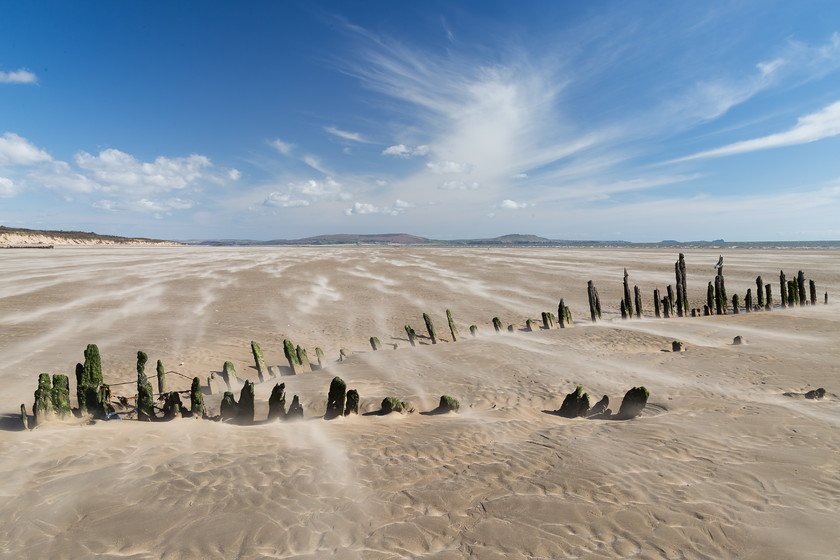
(721, 464)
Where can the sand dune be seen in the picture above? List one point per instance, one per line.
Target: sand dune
(721, 464)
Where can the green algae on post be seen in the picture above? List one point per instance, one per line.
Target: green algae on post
(430, 328)
(61, 395)
(262, 369)
(497, 324)
(452, 329)
(375, 344)
(145, 395)
(303, 359)
(229, 409)
(393, 404)
(197, 399)
(43, 408)
(172, 405)
(412, 336)
(322, 360)
(161, 378)
(291, 356)
(229, 375)
(448, 404)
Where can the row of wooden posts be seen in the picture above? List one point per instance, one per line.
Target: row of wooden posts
(94, 396)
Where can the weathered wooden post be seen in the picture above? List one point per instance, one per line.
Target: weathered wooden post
(262, 369)
(594, 301)
(145, 398)
(292, 357)
(322, 359)
(473, 330)
(656, 298)
(229, 375)
(213, 384)
(393, 404)
(530, 325)
(277, 402)
(575, 404)
(197, 399)
(627, 311)
(497, 324)
(229, 409)
(548, 324)
(246, 403)
(623, 309)
(710, 298)
(88, 380)
(448, 404)
(295, 409)
(412, 336)
(430, 328)
(783, 288)
(172, 405)
(792, 297)
(682, 286)
(748, 302)
(161, 378)
(768, 300)
(706, 310)
(666, 307)
(800, 286)
(736, 304)
(452, 329)
(60, 395)
(24, 419)
(336, 399)
(813, 288)
(352, 406)
(825, 302)
(305, 367)
(759, 291)
(638, 296)
(43, 409)
(720, 303)
(671, 299)
(374, 343)
(633, 403)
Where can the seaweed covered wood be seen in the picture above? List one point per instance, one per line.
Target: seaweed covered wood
(246, 403)
(259, 361)
(633, 403)
(430, 328)
(229, 409)
(352, 404)
(448, 404)
(277, 402)
(161, 378)
(575, 404)
(145, 395)
(229, 375)
(393, 404)
(88, 379)
(336, 398)
(60, 395)
(452, 329)
(292, 357)
(197, 399)
(43, 408)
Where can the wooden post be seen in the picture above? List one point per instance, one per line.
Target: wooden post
(748, 302)
(374, 343)
(452, 329)
(497, 324)
(336, 399)
(710, 299)
(736, 304)
(473, 330)
(412, 336)
(196, 399)
(656, 298)
(638, 295)
(430, 327)
(594, 301)
(759, 291)
(813, 288)
(145, 400)
(768, 303)
(291, 357)
(229, 375)
(800, 284)
(627, 304)
(262, 370)
(783, 288)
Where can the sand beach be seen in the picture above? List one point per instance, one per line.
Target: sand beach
(728, 459)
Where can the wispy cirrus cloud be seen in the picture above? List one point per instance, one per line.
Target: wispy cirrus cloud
(352, 136)
(21, 76)
(403, 151)
(361, 208)
(284, 148)
(825, 123)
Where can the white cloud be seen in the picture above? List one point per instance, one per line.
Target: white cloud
(353, 136)
(283, 147)
(60, 177)
(361, 208)
(810, 128)
(15, 150)
(315, 164)
(442, 167)
(234, 174)
(7, 188)
(521, 176)
(284, 201)
(381, 183)
(512, 205)
(21, 76)
(116, 170)
(458, 186)
(401, 150)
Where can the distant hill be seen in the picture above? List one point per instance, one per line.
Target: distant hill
(38, 237)
(403, 239)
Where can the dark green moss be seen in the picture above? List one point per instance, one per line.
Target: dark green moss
(259, 361)
(172, 405)
(303, 359)
(412, 336)
(375, 344)
(575, 404)
(229, 375)
(634, 402)
(197, 399)
(161, 378)
(352, 406)
(392, 404)
(291, 356)
(336, 398)
(448, 404)
(277, 402)
(43, 408)
(145, 395)
(61, 395)
(430, 328)
(229, 409)
(497, 324)
(452, 329)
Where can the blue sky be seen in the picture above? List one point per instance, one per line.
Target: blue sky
(639, 121)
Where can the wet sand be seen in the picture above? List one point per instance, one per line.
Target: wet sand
(721, 464)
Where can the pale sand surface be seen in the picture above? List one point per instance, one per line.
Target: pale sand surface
(720, 464)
